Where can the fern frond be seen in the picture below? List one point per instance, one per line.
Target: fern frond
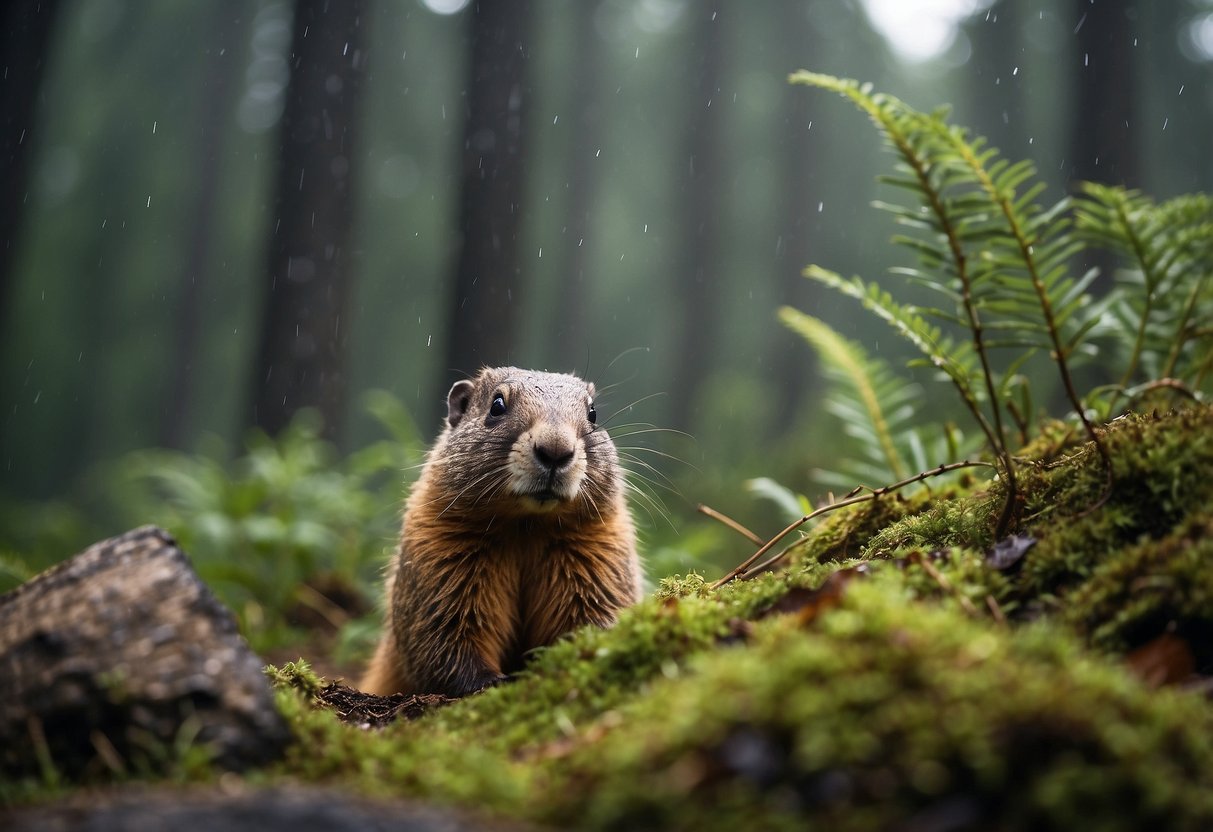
(954, 359)
(861, 384)
(1168, 285)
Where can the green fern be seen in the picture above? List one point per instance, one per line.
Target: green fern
(1165, 296)
(996, 258)
(874, 406)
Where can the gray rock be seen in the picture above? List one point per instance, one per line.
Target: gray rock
(120, 652)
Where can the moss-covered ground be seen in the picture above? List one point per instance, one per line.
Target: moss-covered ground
(889, 676)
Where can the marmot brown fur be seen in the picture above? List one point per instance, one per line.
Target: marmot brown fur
(516, 532)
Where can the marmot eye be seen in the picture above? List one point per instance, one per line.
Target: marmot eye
(592, 414)
(497, 408)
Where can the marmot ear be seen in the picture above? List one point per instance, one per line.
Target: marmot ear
(457, 401)
(590, 386)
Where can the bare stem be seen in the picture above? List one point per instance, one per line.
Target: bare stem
(741, 569)
(708, 511)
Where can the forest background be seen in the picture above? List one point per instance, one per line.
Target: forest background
(215, 214)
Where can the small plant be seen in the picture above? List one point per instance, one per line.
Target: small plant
(1000, 263)
(288, 526)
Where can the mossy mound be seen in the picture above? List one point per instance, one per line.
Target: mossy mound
(891, 676)
(886, 714)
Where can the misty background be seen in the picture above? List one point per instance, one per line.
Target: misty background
(215, 214)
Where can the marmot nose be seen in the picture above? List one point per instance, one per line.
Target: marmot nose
(553, 454)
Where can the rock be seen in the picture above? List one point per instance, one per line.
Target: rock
(121, 652)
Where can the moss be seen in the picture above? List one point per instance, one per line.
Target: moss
(924, 690)
(884, 712)
(1156, 586)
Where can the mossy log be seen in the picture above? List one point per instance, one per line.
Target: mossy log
(120, 653)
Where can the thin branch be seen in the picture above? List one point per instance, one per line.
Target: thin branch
(741, 569)
(996, 610)
(708, 511)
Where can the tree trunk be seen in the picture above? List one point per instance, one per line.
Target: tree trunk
(699, 283)
(27, 26)
(488, 287)
(792, 367)
(570, 336)
(304, 333)
(994, 87)
(1103, 135)
(1104, 131)
(221, 70)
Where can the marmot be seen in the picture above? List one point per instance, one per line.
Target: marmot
(516, 532)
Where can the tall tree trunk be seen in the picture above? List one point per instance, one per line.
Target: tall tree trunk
(993, 85)
(571, 302)
(1103, 134)
(304, 332)
(1104, 131)
(699, 283)
(482, 313)
(221, 65)
(24, 38)
(791, 369)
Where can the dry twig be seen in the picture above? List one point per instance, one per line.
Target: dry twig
(743, 568)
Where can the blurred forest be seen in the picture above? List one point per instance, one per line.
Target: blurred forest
(215, 214)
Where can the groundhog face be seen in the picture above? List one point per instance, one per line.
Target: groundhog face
(528, 442)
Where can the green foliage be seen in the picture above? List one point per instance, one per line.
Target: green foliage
(999, 261)
(1165, 300)
(286, 513)
(790, 504)
(871, 403)
(886, 689)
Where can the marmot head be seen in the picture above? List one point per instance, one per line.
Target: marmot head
(525, 442)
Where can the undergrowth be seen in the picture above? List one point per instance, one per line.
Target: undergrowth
(997, 262)
(1022, 651)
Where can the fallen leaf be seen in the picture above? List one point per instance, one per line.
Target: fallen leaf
(1009, 551)
(1164, 661)
(808, 604)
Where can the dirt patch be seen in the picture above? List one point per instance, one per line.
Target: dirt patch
(369, 711)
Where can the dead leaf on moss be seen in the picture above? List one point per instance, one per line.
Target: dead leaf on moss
(808, 604)
(1166, 660)
(1009, 551)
